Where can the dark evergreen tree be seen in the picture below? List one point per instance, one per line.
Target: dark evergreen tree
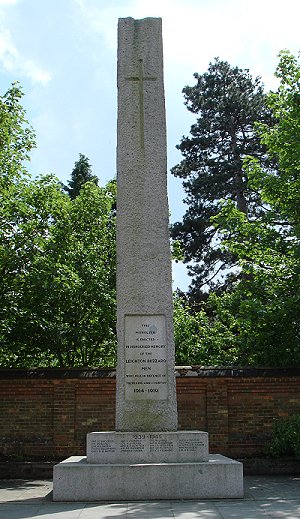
(227, 101)
(81, 174)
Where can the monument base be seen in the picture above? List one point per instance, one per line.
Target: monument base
(76, 480)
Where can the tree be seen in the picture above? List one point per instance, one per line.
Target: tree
(17, 138)
(16, 141)
(82, 173)
(29, 212)
(266, 301)
(227, 101)
(60, 302)
(57, 260)
(207, 337)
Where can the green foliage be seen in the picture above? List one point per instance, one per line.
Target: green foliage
(62, 305)
(228, 102)
(16, 137)
(266, 300)
(176, 250)
(204, 337)
(257, 321)
(82, 173)
(266, 326)
(57, 260)
(286, 437)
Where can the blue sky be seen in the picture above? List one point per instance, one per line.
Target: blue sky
(63, 52)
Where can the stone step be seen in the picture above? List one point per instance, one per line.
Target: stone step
(77, 480)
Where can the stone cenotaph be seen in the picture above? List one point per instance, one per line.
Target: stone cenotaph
(146, 457)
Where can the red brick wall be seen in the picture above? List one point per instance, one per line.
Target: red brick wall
(49, 412)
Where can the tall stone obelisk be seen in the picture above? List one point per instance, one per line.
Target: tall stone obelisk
(146, 398)
(145, 457)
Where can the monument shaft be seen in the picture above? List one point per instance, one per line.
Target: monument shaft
(146, 457)
(146, 398)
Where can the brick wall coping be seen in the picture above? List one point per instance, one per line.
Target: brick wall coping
(181, 371)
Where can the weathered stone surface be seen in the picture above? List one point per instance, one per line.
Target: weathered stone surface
(133, 463)
(147, 447)
(146, 398)
(76, 480)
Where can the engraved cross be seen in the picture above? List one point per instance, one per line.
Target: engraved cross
(140, 79)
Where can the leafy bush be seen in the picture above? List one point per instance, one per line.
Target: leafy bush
(286, 437)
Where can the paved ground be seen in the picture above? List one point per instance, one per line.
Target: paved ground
(268, 497)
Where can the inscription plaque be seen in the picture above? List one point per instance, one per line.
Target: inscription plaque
(145, 357)
(148, 447)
